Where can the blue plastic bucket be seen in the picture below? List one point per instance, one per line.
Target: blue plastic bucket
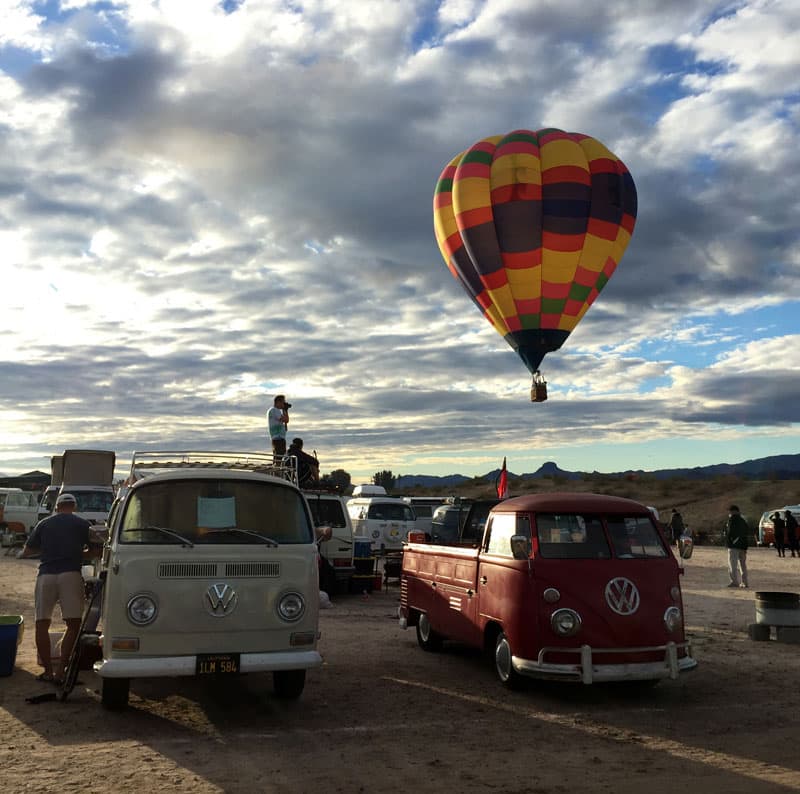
(362, 547)
(11, 627)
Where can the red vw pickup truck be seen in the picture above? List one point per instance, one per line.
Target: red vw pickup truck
(562, 586)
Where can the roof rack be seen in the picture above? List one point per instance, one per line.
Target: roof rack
(148, 463)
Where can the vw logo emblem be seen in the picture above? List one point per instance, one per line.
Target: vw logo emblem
(622, 596)
(220, 600)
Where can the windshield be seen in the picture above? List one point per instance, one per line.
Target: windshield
(635, 536)
(385, 511)
(215, 511)
(571, 536)
(93, 501)
(574, 536)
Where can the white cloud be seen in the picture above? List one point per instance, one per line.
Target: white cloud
(20, 26)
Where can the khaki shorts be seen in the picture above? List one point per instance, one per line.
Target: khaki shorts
(64, 588)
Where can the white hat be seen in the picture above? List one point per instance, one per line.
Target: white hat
(66, 497)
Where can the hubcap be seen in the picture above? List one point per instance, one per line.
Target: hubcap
(424, 627)
(502, 659)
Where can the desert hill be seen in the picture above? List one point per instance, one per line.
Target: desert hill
(701, 494)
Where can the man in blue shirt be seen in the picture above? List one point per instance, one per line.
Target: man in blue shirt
(59, 541)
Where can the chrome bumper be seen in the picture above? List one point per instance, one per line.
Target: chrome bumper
(173, 666)
(589, 670)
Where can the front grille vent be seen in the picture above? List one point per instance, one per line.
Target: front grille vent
(270, 569)
(186, 570)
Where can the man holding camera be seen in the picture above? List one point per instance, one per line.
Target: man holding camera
(277, 420)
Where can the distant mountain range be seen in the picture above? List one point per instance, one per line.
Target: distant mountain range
(775, 467)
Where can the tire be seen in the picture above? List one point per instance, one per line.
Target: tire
(508, 676)
(428, 639)
(759, 632)
(115, 693)
(288, 684)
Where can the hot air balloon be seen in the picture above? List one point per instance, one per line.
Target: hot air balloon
(533, 224)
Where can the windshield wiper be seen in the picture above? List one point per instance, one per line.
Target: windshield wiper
(184, 541)
(268, 541)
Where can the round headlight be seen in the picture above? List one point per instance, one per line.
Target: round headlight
(142, 610)
(551, 595)
(565, 622)
(672, 619)
(291, 607)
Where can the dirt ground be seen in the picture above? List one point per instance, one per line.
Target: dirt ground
(381, 715)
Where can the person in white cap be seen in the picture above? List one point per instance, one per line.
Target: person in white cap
(59, 542)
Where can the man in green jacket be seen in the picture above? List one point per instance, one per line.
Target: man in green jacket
(737, 533)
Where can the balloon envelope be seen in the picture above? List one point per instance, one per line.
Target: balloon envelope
(533, 224)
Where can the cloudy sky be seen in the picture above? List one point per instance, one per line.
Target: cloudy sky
(203, 204)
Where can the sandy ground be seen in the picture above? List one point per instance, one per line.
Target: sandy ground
(382, 715)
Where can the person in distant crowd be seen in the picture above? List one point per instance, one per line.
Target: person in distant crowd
(59, 540)
(779, 527)
(277, 421)
(737, 534)
(676, 525)
(307, 465)
(791, 533)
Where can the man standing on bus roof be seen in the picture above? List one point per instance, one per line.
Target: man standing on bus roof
(277, 420)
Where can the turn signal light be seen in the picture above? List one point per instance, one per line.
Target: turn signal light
(124, 643)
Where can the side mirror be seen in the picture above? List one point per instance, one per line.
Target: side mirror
(324, 533)
(685, 546)
(521, 547)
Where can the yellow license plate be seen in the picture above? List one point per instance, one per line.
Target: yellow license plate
(217, 664)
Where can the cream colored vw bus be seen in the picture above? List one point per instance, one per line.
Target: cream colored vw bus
(210, 570)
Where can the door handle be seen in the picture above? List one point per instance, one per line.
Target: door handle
(483, 580)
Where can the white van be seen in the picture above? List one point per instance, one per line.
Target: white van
(210, 570)
(20, 507)
(329, 510)
(384, 520)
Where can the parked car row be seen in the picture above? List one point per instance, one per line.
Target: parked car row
(211, 568)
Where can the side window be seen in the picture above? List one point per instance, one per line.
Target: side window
(327, 512)
(501, 529)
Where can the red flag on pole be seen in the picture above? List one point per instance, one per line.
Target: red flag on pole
(502, 482)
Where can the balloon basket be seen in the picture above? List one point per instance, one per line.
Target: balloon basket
(538, 389)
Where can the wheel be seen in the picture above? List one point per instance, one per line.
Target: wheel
(115, 693)
(288, 684)
(427, 638)
(502, 663)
